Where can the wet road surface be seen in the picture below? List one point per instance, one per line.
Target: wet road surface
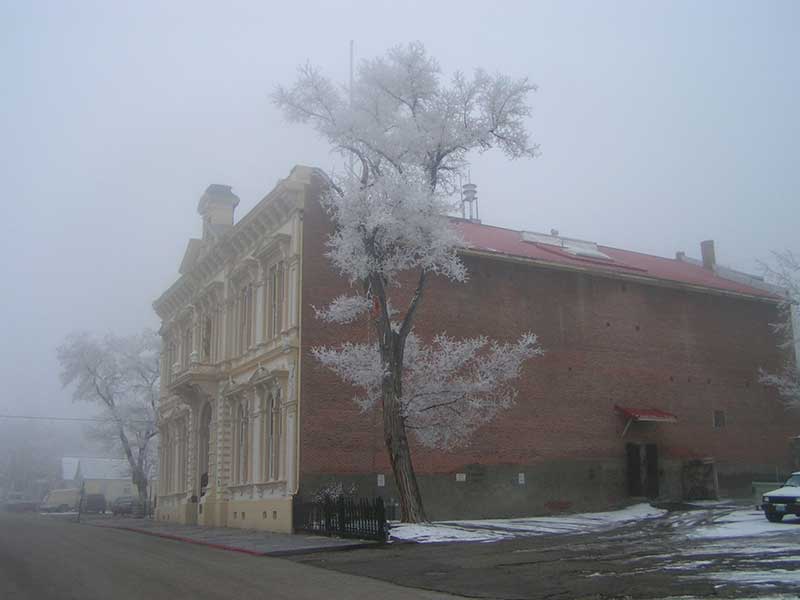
(45, 558)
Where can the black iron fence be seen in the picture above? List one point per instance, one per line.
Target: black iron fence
(360, 518)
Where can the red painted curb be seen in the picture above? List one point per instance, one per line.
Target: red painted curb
(179, 538)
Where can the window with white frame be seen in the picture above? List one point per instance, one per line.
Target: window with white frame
(208, 330)
(246, 307)
(242, 444)
(275, 434)
(275, 304)
(186, 345)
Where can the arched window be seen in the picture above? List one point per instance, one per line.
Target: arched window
(207, 331)
(242, 444)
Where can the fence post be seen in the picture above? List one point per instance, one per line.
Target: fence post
(380, 517)
(340, 514)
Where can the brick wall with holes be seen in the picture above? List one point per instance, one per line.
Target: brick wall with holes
(607, 341)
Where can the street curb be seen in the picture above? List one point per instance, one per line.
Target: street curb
(218, 546)
(180, 538)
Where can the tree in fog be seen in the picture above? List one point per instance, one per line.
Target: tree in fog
(120, 374)
(409, 133)
(784, 271)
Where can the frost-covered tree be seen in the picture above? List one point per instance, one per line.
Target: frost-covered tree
(784, 271)
(408, 134)
(120, 374)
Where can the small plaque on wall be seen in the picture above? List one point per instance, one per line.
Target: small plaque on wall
(381, 480)
(461, 476)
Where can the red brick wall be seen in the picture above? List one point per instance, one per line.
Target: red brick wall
(607, 342)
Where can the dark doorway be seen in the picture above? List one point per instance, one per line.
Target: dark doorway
(642, 469)
(634, 469)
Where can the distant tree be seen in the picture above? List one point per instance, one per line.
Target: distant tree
(784, 271)
(410, 135)
(120, 375)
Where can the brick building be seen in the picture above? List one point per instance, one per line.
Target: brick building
(649, 385)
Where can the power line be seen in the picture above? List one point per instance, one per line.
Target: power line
(76, 419)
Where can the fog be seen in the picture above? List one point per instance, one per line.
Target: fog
(660, 125)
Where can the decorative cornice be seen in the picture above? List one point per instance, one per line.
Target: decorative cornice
(270, 213)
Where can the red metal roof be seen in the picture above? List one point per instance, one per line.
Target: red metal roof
(646, 414)
(509, 242)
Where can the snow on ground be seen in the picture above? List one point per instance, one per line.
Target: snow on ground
(492, 530)
(737, 548)
(759, 597)
(773, 576)
(743, 523)
(433, 532)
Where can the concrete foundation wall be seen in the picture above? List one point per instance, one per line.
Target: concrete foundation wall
(263, 515)
(266, 515)
(497, 491)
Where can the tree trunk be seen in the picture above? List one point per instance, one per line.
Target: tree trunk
(394, 433)
(140, 481)
(392, 347)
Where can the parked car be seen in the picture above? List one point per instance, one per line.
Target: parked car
(783, 501)
(128, 505)
(94, 503)
(16, 502)
(62, 500)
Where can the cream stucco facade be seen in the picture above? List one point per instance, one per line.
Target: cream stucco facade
(231, 336)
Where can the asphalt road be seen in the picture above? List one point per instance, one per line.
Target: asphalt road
(43, 558)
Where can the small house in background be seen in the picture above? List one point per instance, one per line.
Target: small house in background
(108, 476)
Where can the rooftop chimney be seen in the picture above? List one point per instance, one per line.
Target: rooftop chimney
(680, 255)
(707, 251)
(216, 206)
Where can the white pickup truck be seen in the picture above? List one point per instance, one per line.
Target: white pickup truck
(783, 501)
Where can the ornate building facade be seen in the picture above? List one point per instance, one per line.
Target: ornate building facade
(229, 369)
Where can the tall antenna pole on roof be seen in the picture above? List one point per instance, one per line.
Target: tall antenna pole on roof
(352, 52)
(461, 193)
(469, 180)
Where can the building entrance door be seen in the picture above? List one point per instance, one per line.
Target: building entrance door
(642, 469)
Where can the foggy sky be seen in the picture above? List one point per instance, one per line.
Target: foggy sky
(661, 124)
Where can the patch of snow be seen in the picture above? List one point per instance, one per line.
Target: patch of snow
(770, 597)
(713, 503)
(567, 524)
(688, 565)
(492, 530)
(441, 533)
(774, 576)
(742, 523)
(738, 548)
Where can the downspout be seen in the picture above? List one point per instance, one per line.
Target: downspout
(299, 368)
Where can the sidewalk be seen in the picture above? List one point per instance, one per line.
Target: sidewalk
(258, 543)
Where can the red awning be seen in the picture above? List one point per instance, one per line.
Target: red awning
(646, 414)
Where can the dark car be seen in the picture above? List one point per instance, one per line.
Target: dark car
(16, 502)
(94, 503)
(128, 505)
